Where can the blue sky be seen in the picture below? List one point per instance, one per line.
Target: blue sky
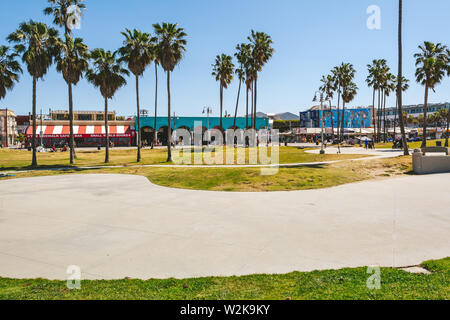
(310, 38)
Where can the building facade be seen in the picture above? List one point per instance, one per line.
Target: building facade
(8, 128)
(190, 124)
(354, 118)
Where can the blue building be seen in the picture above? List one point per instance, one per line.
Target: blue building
(353, 118)
(191, 123)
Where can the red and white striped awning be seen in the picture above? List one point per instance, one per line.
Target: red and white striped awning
(81, 131)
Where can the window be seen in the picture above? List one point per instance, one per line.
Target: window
(85, 117)
(100, 117)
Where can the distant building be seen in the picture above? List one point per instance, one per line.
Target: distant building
(414, 111)
(88, 129)
(354, 118)
(8, 128)
(61, 115)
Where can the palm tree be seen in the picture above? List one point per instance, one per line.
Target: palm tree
(171, 46)
(137, 53)
(262, 52)
(37, 43)
(375, 81)
(405, 87)
(388, 87)
(223, 71)
(348, 95)
(107, 74)
(155, 58)
(9, 75)
(432, 64)
(9, 70)
(400, 78)
(344, 75)
(59, 9)
(72, 62)
(329, 87)
(242, 55)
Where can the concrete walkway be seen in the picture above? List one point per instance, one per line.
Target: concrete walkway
(116, 226)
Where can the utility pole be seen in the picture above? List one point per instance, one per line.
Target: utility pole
(6, 127)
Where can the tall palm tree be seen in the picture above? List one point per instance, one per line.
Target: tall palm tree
(262, 52)
(374, 80)
(9, 70)
(329, 87)
(59, 9)
(107, 74)
(37, 44)
(155, 58)
(223, 70)
(388, 87)
(432, 64)
(171, 46)
(344, 75)
(137, 54)
(400, 78)
(242, 55)
(72, 62)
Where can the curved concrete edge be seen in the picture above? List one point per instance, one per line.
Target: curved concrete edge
(117, 226)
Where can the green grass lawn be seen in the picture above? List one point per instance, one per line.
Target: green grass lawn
(412, 145)
(251, 180)
(331, 284)
(21, 159)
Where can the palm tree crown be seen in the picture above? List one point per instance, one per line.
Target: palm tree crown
(432, 63)
(107, 73)
(9, 70)
(223, 70)
(137, 50)
(72, 61)
(171, 44)
(37, 43)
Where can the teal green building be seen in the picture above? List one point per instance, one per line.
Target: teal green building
(191, 123)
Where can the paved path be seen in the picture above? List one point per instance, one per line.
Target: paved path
(116, 226)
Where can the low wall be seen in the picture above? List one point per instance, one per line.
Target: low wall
(423, 164)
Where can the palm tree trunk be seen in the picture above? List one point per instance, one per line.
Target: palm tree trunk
(384, 119)
(378, 115)
(34, 161)
(246, 112)
(253, 103)
(221, 105)
(448, 127)
(106, 132)
(400, 77)
(169, 125)
(237, 104)
(332, 121)
(343, 121)
(71, 140)
(425, 114)
(339, 112)
(254, 107)
(138, 129)
(156, 104)
(395, 118)
(373, 112)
